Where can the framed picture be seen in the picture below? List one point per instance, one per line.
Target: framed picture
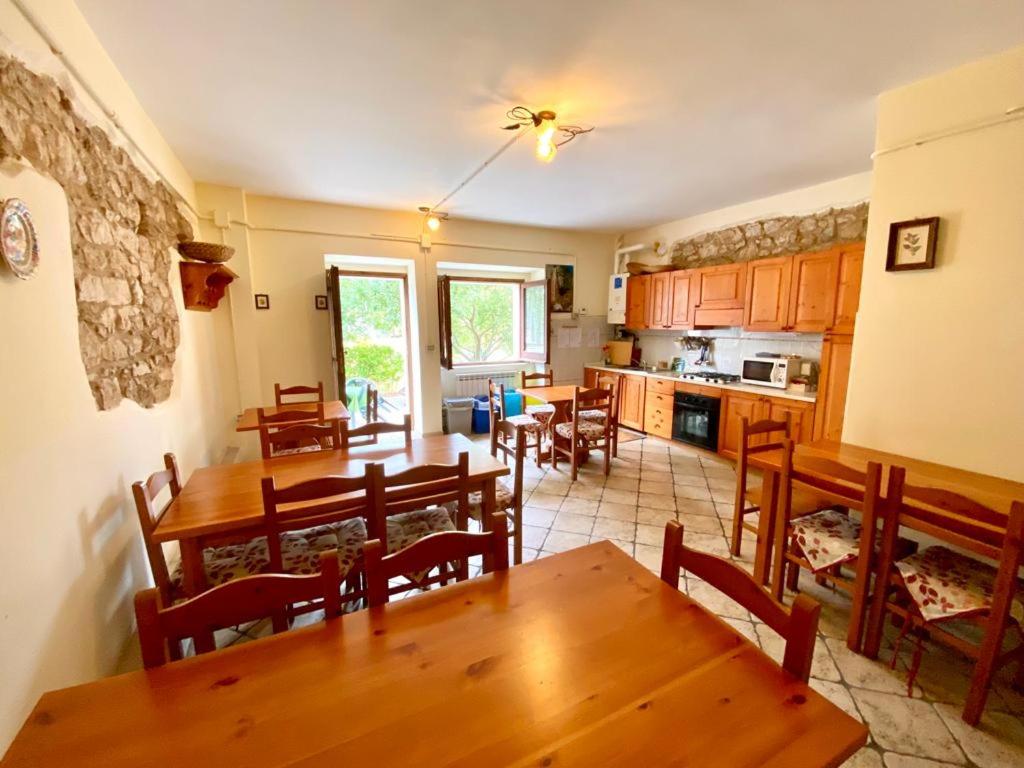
(912, 244)
(262, 301)
(560, 287)
(320, 301)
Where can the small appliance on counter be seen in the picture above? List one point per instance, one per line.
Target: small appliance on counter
(770, 370)
(678, 364)
(620, 352)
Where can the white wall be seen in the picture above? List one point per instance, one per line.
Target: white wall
(71, 555)
(937, 372)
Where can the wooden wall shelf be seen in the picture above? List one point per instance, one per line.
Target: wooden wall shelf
(203, 285)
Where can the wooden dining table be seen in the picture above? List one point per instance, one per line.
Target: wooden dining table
(224, 502)
(995, 492)
(249, 420)
(579, 659)
(559, 396)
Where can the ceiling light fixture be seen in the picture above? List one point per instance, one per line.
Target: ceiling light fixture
(550, 136)
(433, 218)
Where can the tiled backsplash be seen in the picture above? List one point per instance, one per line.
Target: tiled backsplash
(730, 346)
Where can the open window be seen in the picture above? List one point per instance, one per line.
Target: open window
(484, 321)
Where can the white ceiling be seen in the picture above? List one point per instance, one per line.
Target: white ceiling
(390, 103)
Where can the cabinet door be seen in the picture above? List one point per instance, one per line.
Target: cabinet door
(722, 287)
(590, 377)
(637, 289)
(683, 295)
(736, 407)
(767, 305)
(812, 299)
(835, 375)
(631, 404)
(659, 303)
(800, 413)
(850, 268)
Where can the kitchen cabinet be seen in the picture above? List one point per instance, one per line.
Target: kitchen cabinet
(720, 296)
(767, 300)
(637, 290)
(659, 301)
(631, 402)
(657, 412)
(683, 296)
(812, 297)
(850, 269)
(590, 377)
(800, 413)
(836, 352)
(737, 406)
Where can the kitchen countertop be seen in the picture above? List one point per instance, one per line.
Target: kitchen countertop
(807, 397)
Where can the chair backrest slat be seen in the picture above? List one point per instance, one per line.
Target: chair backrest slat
(144, 492)
(798, 626)
(434, 550)
(299, 389)
(546, 378)
(373, 430)
(327, 436)
(830, 480)
(297, 416)
(511, 441)
(236, 602)
(416, 488)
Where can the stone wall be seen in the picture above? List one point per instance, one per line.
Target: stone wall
(778, 236)
(123, 227)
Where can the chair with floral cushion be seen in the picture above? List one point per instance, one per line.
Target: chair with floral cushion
(614, 383)
(445, 550)
(299, 438)
(531, 426)
(369, 433)
(828, 540)
(542, 412)
(940, 592)
(582, 435)
(280, 393)
(415, 503)
(162, 627)
(310, 517)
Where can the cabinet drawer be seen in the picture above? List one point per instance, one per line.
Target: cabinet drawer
(656, 400)
(661, 386)
(697, 389)
(658, 421)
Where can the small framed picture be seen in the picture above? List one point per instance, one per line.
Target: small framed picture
(912, 244)
(320, 301)
(262, 301)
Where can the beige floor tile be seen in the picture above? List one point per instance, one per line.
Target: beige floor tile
(648, 556)
(585, 491)
(538, 517)
(650, 486)
(699, 524)
(696, 492)
(723, 496)
(861, 672)
(656, 501)
(554, 486)
(998, 742)
(572, 522)
(619, 497)
(545, 553)
(822, 666)
(580, 506)
(726, 511)
(560, 541)
(608, 528)
(528, 555)
(907, 726)
(893, 760)
(655, 475)
(651, 535)
(722, 484)
(723, 471)
(533, 536)
(838, 694)
(710, 543)
(695, 507)
(654, 516)
(685, 478)
(544, 500)
(865, 757)
(651, 466)
(618, 483)
(715, 601)
(616, 511)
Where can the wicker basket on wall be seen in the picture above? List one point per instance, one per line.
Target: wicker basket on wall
(211, 253)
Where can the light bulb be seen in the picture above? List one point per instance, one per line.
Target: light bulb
(546, 151)
(433, 223)
(546, 136)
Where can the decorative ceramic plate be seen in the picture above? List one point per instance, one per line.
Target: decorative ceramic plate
(18, 239)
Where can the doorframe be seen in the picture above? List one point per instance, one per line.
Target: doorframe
(404, 277)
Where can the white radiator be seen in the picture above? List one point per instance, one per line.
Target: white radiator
(470, 384)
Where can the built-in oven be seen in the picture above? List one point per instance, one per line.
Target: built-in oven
(695, 420)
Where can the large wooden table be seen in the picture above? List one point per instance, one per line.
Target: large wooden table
(579, 659)
(225, 502)
(994, 492)
(333, 411)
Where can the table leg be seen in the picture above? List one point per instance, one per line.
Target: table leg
(766, 526)
(193, 573)
(487, 508)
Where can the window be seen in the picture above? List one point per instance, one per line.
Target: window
(491, 321)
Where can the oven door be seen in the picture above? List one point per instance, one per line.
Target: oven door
(695, 420)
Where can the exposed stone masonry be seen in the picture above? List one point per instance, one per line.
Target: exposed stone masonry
(123, 227)
(777, 236)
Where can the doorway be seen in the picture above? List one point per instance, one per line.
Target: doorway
(373, 342)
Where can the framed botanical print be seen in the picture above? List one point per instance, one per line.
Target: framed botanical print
(320, 301)
(912, 244)
(262, 301)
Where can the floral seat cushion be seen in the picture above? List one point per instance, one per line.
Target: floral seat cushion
(409, 527)
(542, 413)
(528, 422)
(504, 498)
(589, 430)
(945, 584)
(827, 538)
(300, 449)
(594, 415)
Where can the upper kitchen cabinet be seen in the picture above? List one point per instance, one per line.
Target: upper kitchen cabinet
(659, 301)
(850, 268)
(720, 295)
(812, 298)
(638, 289)
(670, 300)
(683, 297)
(767, 304)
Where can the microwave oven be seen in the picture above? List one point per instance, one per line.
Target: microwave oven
(769, 371)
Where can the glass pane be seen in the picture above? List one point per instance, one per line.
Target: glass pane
(695, 424)
(533, 327)
(483, 321)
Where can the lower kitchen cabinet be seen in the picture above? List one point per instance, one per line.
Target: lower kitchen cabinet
(658, 412)
(631, 403)
(737, 406)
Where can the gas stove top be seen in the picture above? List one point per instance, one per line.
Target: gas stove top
(712, 377)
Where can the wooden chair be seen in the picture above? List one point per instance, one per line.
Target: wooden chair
(437, 550)
(369, 433)
(584, 434)
(826, 541)
(798, 625)
(510, 500)
(372, 403)
(298, 416)
(415, 503)
(950, 587)
(532, 427)
(162, 627)
(546, 378)
(748, 497)
(305, 519)
(282, 392)
(299, 438)
(614, 383)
